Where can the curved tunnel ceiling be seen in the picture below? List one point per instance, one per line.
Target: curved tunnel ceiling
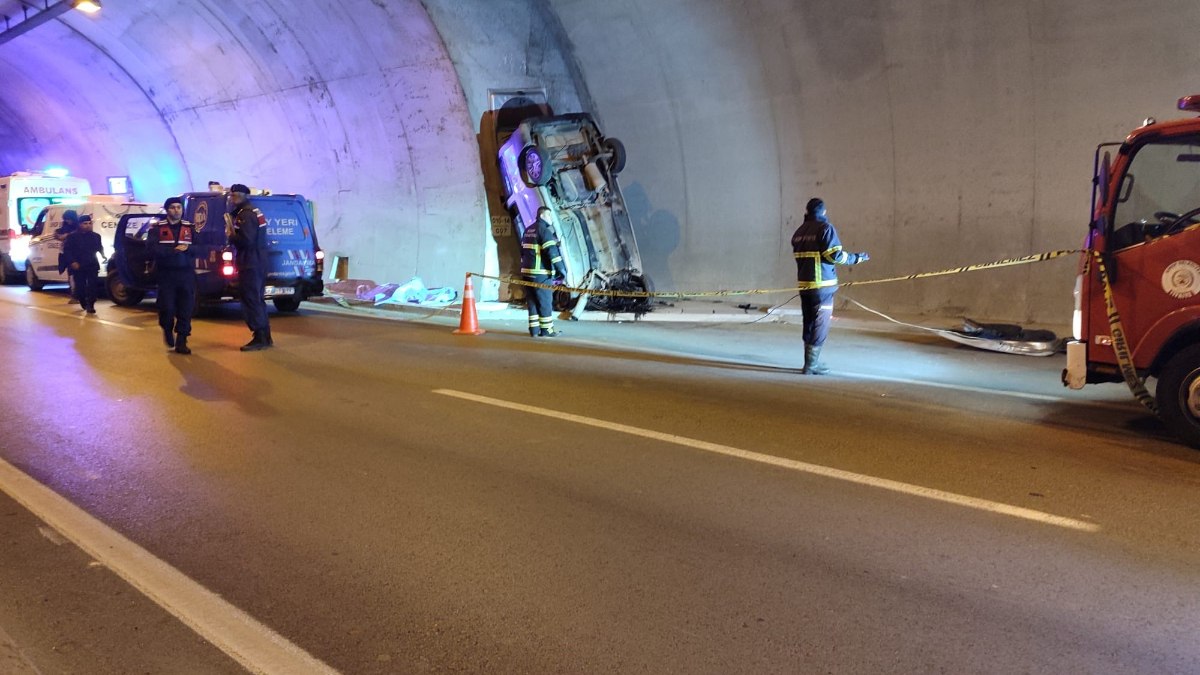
(940, 132)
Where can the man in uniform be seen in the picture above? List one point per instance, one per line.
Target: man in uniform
(79, 252)
(70, 225)
(539, 260)
(818, 251)
(171, 241)
(247, 230)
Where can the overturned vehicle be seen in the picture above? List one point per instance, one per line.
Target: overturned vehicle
(533, 158)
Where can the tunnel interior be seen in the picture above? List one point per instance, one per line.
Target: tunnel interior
(940, 133)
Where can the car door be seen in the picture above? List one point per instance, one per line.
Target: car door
(132, 249)
(44, 247)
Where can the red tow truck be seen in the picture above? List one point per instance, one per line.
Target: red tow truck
(1137, 297)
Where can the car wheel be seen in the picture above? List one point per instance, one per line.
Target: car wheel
(4, 271)
(286, 304)
(1178, 395)
(616, 164)
(535, 166)
(119, 293)
(31, 278)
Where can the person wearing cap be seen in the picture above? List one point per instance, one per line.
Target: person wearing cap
(69, 225)
(818, 252)
(171, 240)
(541, 263)
(247, 230)
(79, 252)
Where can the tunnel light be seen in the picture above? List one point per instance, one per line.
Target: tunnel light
(57, 172)
(88, 6)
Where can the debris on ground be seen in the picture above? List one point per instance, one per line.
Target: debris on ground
(366, 291)
(1005, 337)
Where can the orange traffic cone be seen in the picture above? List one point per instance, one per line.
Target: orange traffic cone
(469, 324)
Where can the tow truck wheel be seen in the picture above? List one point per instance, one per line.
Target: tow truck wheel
(119, 293)
(1178, 395)
(286, 304)
(31, 278)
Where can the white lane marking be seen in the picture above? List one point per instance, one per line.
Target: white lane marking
(815, 469)
(82, 317)
(250, 643)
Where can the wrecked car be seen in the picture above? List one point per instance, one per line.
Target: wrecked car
(566, 163)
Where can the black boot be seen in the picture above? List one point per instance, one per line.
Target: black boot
(812, 361)
(181, 345)
(258, 343)
(168, 337)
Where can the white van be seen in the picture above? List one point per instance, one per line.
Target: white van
(23, 195)
(44, 247)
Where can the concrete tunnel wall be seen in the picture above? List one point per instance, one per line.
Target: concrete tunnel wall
(940, 132)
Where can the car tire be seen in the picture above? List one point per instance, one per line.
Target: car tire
(119, 293)
(31, 278)
(1178, 395)
(617, 149)
(535, 166)
(286, 304)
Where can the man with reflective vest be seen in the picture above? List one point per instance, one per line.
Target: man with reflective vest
(171, 241)
(818, 252)
(247, 230)
(541, 263)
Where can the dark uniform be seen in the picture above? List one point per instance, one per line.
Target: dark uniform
(250, 238)
(81, 247)
(539, 260)
(176, 272)
(70, 225)
(818, 251)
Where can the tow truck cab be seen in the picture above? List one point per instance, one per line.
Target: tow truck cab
(1145, 229)
(295, 262)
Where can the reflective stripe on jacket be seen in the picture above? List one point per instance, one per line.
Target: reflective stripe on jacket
(539, 251)
(818, 251)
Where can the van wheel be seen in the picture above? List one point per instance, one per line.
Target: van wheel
(286, 304)
(617, 149)
(31, 278)
(1178, 395)
(119, 293)
(535, 166)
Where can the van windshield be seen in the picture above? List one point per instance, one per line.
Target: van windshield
(28, 209)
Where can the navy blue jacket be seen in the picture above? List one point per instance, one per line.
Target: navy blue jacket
(82, 247)
(164, 237)
(539, 252)
(249, 236)
(818, 251)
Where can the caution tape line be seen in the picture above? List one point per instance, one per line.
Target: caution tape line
(1024, 260)
(1120, 347)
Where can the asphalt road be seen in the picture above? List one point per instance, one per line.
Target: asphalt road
(389, 498)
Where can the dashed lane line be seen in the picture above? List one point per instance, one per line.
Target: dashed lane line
(83, 317)
(814, 469)
(255, 646)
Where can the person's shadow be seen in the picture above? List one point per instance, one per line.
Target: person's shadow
(657, 232)
(207, 380)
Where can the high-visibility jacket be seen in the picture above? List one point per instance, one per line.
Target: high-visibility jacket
(539, 252)
(818, 251)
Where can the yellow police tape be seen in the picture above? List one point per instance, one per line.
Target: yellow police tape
(1024, 260)
(1120, 347)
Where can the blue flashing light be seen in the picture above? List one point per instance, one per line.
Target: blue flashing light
(57, 172)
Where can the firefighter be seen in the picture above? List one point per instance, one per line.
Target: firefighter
(541, 263)
(818, 251)
(247, 230)
(79, 252)
(171, 241)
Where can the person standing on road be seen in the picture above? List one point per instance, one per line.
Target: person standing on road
(247, 229)
(175, 262)
(541, 263)
(70, 224)
(818, 251)
(79, 253)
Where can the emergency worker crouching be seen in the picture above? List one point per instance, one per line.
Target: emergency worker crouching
(540, 259)
(175, 261)
(818, 251)
(247, 230)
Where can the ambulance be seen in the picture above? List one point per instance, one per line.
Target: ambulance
(23, 195)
